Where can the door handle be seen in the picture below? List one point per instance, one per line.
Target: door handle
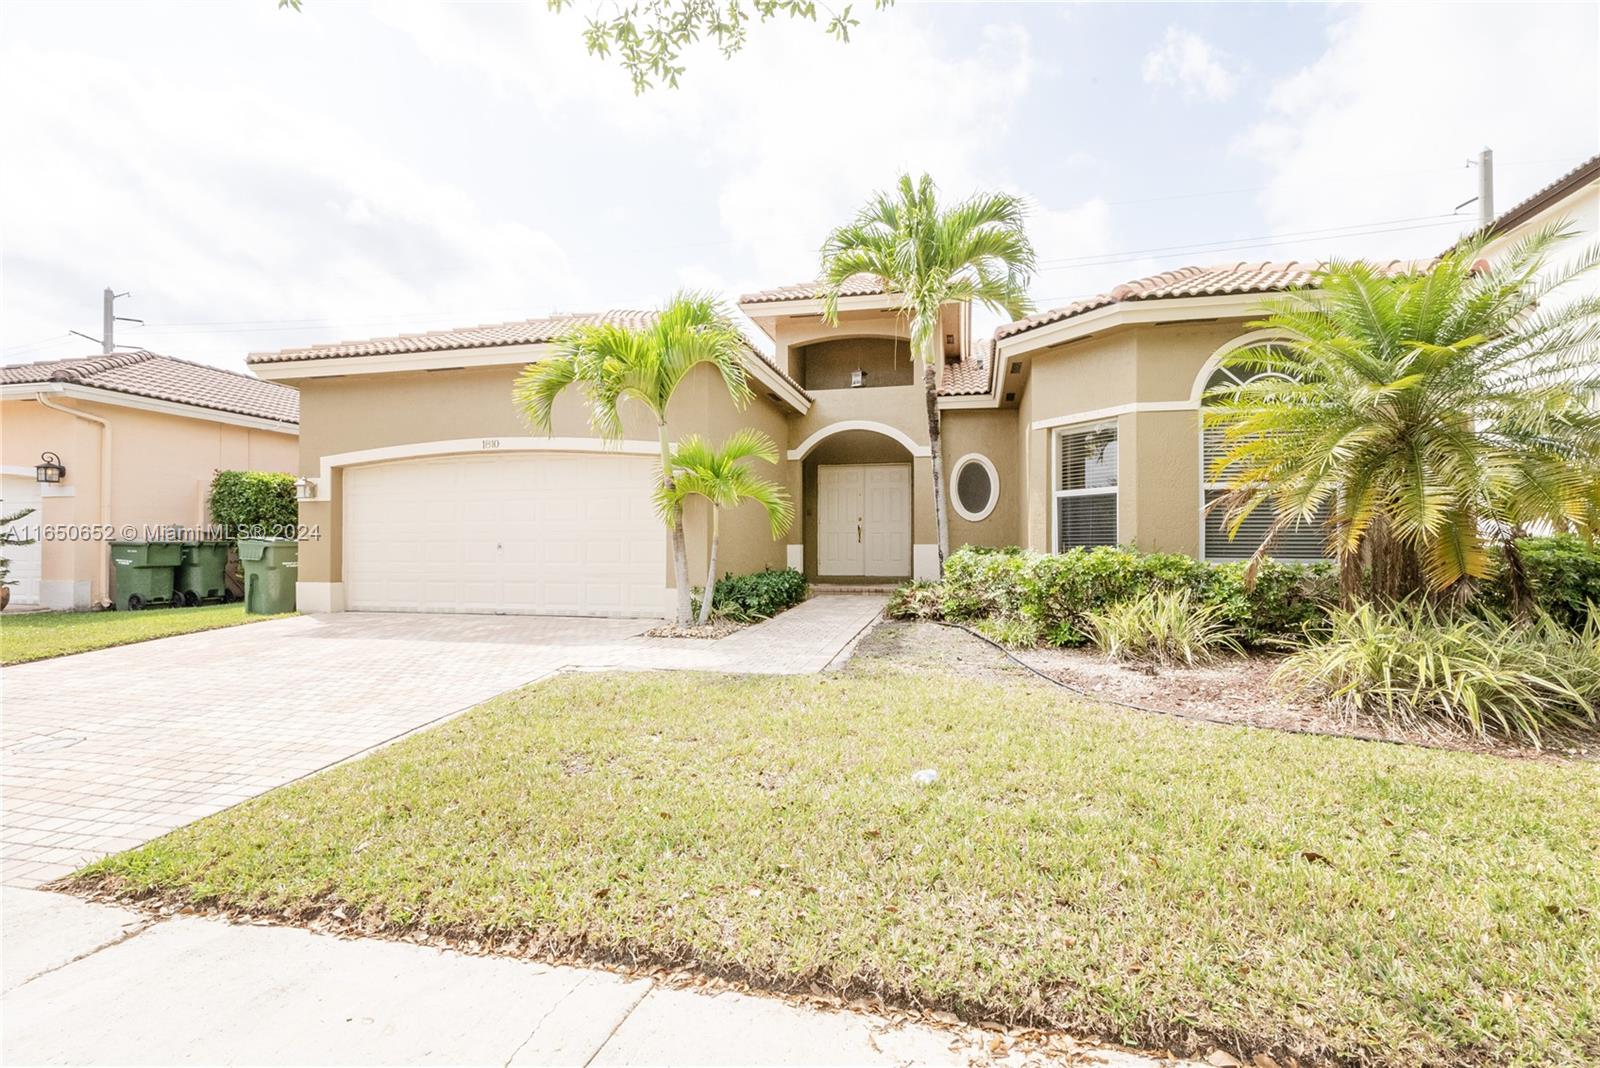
(858, 532)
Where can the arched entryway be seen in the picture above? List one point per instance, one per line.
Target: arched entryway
(858, 518)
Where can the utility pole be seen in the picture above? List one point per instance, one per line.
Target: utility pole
(108, 321)
(1485, 189)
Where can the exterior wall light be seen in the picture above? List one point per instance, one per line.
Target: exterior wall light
(305, 489)
(49, 469)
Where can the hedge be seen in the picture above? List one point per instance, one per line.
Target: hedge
(1054, 592)
(1564, 573)
(758, 595)
(254, 500)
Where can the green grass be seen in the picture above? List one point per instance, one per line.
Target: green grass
(39, 635)
(1131, 876)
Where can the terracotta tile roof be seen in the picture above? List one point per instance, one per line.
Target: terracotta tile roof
(1577, 178)
(147, 374)
(857, 285)
(971, 375)
(520, 332)
(1227, 279)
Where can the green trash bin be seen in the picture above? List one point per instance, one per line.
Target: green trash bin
(271, 566)
(142, 572)
(200, 576)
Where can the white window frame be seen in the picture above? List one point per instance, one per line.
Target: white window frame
(955, 481)
(1204, 481)
(1057, 493)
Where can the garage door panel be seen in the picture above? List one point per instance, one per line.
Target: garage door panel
(510, 533)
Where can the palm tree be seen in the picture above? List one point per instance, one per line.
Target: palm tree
(974, 250)
(1427, 415)
(721, 477)
(612, 363)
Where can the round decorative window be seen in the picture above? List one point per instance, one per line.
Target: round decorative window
(976, 487)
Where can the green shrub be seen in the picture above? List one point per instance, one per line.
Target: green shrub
(916, 600)
(261, 501)
(758, 596)
(1161, 627)
(1057, 592)
(1564, 573)
(1011, 633)
(981, 583)
(1486, 675)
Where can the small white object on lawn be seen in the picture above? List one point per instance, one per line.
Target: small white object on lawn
(925, 777)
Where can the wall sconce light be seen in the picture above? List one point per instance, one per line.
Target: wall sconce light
(50, 470)
(305, 489)
(949, 339)
(858, 378)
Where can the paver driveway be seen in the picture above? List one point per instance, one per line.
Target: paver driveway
(105, 750)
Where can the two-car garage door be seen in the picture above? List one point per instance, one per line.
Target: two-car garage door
(534, 532)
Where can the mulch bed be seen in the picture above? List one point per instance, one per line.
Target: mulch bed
(1239, 690)
(717, 628)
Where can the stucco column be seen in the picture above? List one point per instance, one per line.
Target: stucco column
(795, 540)
(924, 539)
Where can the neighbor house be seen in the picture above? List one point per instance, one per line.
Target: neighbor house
(1572, 200)
(127, 441)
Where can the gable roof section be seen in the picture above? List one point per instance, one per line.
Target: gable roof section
(970, 376)
(520, 332)
(1575, 179)
(166, 378)
(1229, 279)
(538, 331)
(857, 285)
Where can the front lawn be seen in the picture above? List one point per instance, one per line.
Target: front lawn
(1132, 876)
(38, 635)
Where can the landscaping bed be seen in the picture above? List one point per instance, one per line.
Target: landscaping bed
(1147, 879)
(40, 635)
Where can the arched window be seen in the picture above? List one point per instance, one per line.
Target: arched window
(1305, 541)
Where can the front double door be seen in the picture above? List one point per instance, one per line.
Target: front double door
(864, 520)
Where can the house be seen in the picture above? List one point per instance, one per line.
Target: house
(130, 441)
(1078, 426)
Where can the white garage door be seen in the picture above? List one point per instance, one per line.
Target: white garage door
(547, 533)
(18, 493)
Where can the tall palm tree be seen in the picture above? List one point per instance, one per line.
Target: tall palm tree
(1431, 414)
(612, 363)
(723, 479)
(974, 250)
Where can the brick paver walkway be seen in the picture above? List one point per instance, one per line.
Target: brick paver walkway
(105, 750)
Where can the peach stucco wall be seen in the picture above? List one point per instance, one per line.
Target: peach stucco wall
(161, 465)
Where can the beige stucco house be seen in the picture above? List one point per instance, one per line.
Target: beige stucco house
(139, 436)
(1079, 426)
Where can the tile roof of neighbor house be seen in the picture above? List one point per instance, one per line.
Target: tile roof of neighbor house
(147, 374)
(857, 285)
(520, 332)
(969, 376)
(1577, 178)
(1228, 279)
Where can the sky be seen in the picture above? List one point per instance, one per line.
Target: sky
(259, 178)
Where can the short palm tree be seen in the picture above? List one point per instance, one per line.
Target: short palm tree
(723, 479)
(1427, 415)
(974, 250)
(611, 363)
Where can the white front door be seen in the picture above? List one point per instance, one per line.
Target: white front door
(530, 533)
(864, 520)
(19, 493)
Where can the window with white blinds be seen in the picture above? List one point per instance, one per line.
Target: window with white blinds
(1306, 540)
(1086, 486)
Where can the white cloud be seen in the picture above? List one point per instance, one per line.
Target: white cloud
(1184, 60)
(232, 204)
(1378, 129)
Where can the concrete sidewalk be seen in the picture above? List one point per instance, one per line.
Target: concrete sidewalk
(92, 984)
